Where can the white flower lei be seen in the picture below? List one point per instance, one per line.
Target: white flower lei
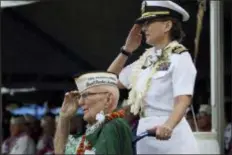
(100, 117)
(136, 96)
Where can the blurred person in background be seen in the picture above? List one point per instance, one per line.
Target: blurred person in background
(228, 129)
(45, 143)
(33, 127)
(57, 119)
(6, 115)
(77, 125)
(204, 118)
(190, 119)
(19, 141)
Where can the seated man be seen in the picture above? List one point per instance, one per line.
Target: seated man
(204, 118)
(107, 132)
(19, 141)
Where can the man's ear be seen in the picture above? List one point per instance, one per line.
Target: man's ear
(110, 100)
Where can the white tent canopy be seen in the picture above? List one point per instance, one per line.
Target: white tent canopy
(14, 3)
(16, 90)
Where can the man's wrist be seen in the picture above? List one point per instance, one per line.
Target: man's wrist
(64, 119)
(63, 116)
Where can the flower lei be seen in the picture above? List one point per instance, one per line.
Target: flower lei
(87, 146)
(82, 146)
(135, 96)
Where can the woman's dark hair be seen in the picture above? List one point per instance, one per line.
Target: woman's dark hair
(176, 32)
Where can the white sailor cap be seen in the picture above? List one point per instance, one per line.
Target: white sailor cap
(156, 9)
(17, 120)
(92, 79)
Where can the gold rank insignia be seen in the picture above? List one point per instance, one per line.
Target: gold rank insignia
(179, 49)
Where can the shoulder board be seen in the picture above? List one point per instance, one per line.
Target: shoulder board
(179, 49)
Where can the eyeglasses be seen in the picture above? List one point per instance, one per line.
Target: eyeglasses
(87, 94)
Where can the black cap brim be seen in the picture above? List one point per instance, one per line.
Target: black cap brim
(142, 20)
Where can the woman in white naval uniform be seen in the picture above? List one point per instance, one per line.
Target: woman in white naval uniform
(161, 80)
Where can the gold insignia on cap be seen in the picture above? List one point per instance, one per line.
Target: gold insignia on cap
(88, 80)
(143, 7)
(155, 13)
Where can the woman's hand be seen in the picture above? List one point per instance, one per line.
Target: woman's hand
(134, 39)
(163, 132)
(70, 104)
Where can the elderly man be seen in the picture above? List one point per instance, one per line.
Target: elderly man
(107, 132)
(19, 142)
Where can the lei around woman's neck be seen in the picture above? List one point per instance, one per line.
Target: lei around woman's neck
(136, 96)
